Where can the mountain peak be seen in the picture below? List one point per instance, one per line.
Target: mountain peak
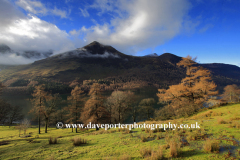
(4, 48)
(94, 44)
(170, 57)
(151, 55)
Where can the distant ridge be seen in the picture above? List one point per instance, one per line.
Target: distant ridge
(98, 61)
(170, 58)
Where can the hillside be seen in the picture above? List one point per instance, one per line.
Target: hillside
(220, 125)
(97, 61)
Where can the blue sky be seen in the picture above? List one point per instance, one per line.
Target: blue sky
(208, 29)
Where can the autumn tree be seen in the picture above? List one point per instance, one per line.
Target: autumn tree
(39, 95)
(58, 116)
(118, 105)
(50, 106)
(231, 93)
(94, 111)
(75, 105)
(146, 107)
(193, 91)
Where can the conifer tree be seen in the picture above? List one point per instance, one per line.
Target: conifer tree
(193, 91)
(75, 106)
(94, 111)
(45, 105)
(39, 95)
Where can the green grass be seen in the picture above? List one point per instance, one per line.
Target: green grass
(119, 144)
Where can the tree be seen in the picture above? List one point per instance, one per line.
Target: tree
(39, 95)
(94, 111)
(146, 107)
(76, 104)
(231, 93)
(1, 87)
(195, 89)
(118, 104)
(5, 109)
(49, 107)
(15, 114)
(24, 125)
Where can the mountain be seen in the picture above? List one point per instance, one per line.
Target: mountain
(98, 61)
(6, 50)
(151, 55)
(92, 50)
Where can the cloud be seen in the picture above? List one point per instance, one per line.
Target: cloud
(37, 8)
(137, 24)
(84, 12)
(34, 7)
(206, 27)
(58, 12)
(14, 59)
(22, 32)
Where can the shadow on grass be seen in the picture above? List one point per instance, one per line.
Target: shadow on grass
(189, 153)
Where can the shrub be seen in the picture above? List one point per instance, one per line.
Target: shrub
(143, 138)
(221, 121)
(157, 155)
(52, 140)
(211, 146)
(192, 136)
(235, 125)
(174, 148)
(77, 141)
(145, 152)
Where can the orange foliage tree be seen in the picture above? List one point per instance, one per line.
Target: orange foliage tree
(44, 105)
(76, 105)
(94, 110)
(193, 91)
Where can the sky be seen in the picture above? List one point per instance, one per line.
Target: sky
(206, 29)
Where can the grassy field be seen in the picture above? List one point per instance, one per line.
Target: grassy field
(218, 138)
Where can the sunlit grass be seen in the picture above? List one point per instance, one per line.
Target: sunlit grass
(112, 144)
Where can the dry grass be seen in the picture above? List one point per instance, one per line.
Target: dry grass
(125, 157)
(77, 141)
(146, 152)
(235, 125)
(221, 121)
(158, 155)
(174, 148)
(143, 138)
(52, 140)
(211, 146)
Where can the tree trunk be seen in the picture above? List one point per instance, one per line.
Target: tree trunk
(76, 116)
(119, 112)
(46, 124)
(39, 129)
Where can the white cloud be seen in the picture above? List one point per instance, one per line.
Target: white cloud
(13, 59)
(34, 7)
(37, 8)
(84, 12)
(22, 32)
(138, 24)
(58, 12)
(206, 27)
